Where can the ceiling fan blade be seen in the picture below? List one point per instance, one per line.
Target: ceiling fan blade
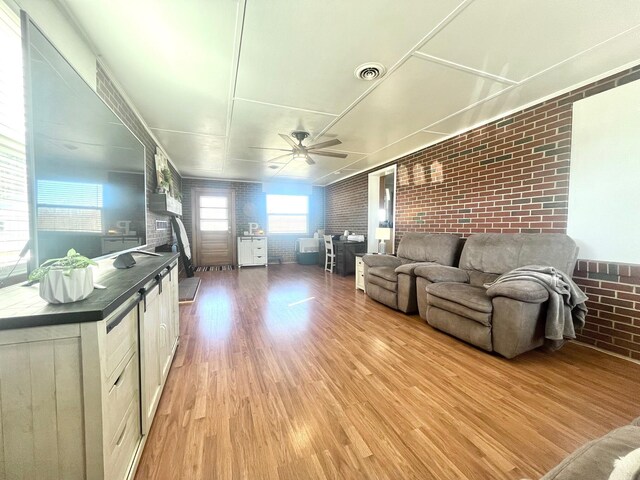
(280, 156)
(267, 148)
(328, 154)
(289, 140)
(328, 143)
(310, 160)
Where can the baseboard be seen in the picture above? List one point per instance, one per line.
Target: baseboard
(602, 350)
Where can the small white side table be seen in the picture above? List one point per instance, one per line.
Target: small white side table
(360, 273)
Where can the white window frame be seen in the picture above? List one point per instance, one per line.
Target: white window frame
(285, 213)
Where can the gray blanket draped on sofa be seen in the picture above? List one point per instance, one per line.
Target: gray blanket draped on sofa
(566, 309)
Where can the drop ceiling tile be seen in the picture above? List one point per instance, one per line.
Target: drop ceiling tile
(192, 152)
(516, 39)
(613, 55)
(397, 150)
(417, 94)
(173, 59)
(258, 125)
(303, 54)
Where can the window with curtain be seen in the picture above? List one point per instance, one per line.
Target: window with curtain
(14, 204)
(288, 214)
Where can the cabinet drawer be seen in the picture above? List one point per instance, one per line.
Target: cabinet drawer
(122, 334)
(121, 450)
(259, 242)
(120, 392)
(259, 259)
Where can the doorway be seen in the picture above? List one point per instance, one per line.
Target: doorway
(382, 208)
(214, 227)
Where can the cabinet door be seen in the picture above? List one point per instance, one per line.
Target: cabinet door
(175, 307)
(165, 345)
(151, 374)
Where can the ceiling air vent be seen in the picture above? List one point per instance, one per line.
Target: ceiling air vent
(370, 71)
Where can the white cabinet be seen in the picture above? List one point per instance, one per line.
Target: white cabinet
(252, 251)
(78, 399)
(359, 273)
(159, 330)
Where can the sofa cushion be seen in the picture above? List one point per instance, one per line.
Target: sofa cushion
(388, 273)
(449, 307)
(594, 461)
(440, 273)
(478, 279)
(500, 252)
(409, 268)
(441, 248)
(472, 297)
(384, 277)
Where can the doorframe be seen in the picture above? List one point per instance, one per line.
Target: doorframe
(373, 206)
(195, 194)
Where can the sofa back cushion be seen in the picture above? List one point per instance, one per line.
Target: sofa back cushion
(441, 248)
(499, 253)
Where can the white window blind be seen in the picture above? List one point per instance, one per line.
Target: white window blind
(14, 206)
(288, 214)
(69, 206)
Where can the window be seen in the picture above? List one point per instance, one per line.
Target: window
(69, 206)
(288, 213)
(14, 204)
(214, 214)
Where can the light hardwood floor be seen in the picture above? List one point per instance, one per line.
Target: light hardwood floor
(290, 373)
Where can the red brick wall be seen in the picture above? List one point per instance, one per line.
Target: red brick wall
(346, 206)
(508, 176)
(613, 322)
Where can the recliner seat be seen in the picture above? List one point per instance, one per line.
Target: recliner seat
(390, 280)
(507, 318)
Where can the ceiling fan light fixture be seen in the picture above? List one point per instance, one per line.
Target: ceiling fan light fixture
(299, 156)
(370, 71)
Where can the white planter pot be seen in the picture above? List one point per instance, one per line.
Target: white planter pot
(56, 287)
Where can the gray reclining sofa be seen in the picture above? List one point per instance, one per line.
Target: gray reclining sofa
(509, 319)
(390, 280)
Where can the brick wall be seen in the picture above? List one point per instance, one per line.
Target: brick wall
(613, 322)
(508, 176)
(251, 207)
(346, 205)
(107, 91)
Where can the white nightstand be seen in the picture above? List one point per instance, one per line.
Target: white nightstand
(360, 273)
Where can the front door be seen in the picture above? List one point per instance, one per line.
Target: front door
(214, 227)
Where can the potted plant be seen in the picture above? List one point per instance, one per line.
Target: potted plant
(65, 280)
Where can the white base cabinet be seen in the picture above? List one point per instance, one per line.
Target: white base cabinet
(252, 251)
(77, 400)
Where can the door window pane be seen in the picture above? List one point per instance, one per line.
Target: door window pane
(213, 202)
(214, 225)
(213, 214)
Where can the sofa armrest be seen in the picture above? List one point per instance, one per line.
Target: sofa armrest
(409, 268)
(440, 273)
(372, 260)
(523, 290)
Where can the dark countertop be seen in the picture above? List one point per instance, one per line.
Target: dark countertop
(22, 307)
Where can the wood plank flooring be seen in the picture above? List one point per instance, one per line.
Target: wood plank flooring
(290, 373)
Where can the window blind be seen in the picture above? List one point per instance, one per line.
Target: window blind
(14, 206)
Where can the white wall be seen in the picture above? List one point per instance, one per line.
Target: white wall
(58, 28)
(604, 189)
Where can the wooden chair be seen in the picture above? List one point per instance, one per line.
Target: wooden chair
(330, 256)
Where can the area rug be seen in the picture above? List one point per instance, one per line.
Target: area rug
(188, 289)
(214, 268)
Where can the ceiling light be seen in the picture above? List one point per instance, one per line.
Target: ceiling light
(300, 156)
(370, 71)
(273, 167)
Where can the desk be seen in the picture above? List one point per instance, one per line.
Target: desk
(345, 256)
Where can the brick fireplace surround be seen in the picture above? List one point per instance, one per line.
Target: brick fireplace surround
(511, 175)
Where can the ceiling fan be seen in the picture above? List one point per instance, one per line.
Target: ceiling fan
(301, 152)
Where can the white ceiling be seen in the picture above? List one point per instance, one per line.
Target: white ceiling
(213, 78)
